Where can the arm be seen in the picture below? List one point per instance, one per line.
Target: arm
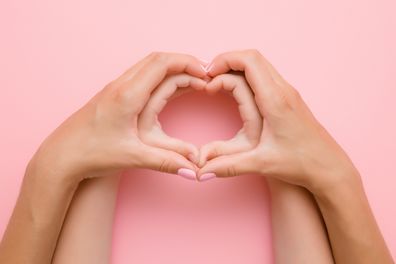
(353, 231)
(87, 230)
(295, 148)
(99, 140)
(298, 231)
(33, 229)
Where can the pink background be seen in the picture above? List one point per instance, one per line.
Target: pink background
(341, 56)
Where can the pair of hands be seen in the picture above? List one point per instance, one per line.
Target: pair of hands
(118, 128)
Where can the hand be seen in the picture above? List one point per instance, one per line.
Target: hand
(293, 146)
(247, 138)
(150, 130)
(102, 137)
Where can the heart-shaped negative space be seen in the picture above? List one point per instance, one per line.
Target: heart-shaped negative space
(197, 112)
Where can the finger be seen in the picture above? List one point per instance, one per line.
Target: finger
(131, 72)
(166, 89)
(257, 74)
(166, 161)
(230, 165)
(220, 148)
(249, 135)
(149, 127)
(180, 92)
(159, 65)
(164, 141)
(237, 85)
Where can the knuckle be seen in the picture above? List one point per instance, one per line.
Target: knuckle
(164, 166)
(295, 95)
(211, 151)
(111, 85)
(282, 101)
(231, 171)
(217, 148)
(290, 99)
(158, 57)
(215, 151)
(237, 78)
(253, 54)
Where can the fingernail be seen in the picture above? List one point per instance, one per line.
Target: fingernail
(187, 173)
(204, 62)
(207, 176)
(203, 67)
(208, 67)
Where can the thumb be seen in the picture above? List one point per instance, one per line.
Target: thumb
(166, 161)
(163, 141)
(230, 165)
(220, 148)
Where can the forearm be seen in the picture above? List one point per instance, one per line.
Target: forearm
(87, 231)
(353, 231)
(299, 235)
(34, 227)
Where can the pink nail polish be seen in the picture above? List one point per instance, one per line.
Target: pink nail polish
(208, 67)
(207, 176)
(187, 173)
(204, 62)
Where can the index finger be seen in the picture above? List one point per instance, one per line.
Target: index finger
(160, 65)
(160, 97)
(255, 67)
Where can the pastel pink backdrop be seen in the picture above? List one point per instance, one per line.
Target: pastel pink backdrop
(54, 55)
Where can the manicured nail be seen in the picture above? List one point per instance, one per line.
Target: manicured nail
(187, 173)
(208, 67)
(203, 67)
(207, 176)
(204, 62)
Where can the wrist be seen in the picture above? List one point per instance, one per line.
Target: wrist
(48, 177)
(338, 186)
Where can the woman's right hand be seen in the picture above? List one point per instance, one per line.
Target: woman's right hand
(293, 146)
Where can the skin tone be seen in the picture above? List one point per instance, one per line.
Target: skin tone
(247, 138)
(86, 234)
(102, 139)
(296, 149)
(296, 220)
(98, 140)
(298, 231)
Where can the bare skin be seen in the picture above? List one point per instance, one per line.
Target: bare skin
(295, 148)
(102, 139)
(299, 234)
(98, 140)
(86, 234)
(298, 231)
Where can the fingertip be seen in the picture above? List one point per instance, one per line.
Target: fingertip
(187, 173)
(198, 83)
(206, 177)
(209, 68)
(204, 62)
(193, 157)
(203, 68)
(201, 160)
(213, 86)
(203, 154)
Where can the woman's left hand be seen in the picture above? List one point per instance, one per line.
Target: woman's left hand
(102, 137)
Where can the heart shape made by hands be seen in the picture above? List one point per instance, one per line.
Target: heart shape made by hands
(247, 138)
